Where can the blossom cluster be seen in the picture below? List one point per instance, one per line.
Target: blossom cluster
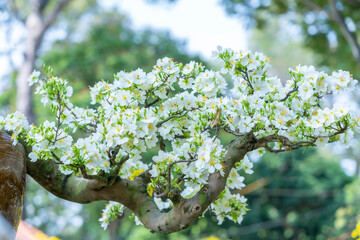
(295, 110)
(139, 111)
(111, 212)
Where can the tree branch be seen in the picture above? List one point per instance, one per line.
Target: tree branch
(336, 16)
(50, 18)
(179, 114)
(348, 35)
(185, 211)
(263, 142)
(168, 178)
(15, 11)
(312, 5)
(295, 89)
(133, 194)
(355, 3)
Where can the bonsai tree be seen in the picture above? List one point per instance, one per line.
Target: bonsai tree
(177, 111)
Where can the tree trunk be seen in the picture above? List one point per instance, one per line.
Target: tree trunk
(34, 35)
(12, 180)
(36, 25)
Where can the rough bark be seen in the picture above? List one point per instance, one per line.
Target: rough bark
(12, 180)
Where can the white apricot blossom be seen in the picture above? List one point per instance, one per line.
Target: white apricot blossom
(139, 111)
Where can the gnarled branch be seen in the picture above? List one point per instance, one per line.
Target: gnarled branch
(133, 193)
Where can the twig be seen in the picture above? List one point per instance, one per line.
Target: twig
(152, 103)
(162, 143)
(168, 178)
(228, 130)
(153, 90)
(83, 171)
(247, 79)
(289, 93)
(176, 116)
(117, 169)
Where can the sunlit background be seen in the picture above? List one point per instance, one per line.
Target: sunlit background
(319, 198)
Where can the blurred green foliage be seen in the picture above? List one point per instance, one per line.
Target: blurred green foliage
(308, 195)
(322, 34)
(109, 46)
(305, 189)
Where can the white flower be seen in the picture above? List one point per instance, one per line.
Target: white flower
(235, 180)
(322, 83)
(138, 76)
(214, 164)
(321, 142)
(186, 83)
(162, 204)
(34, 78)
(245, 124)
(188, 68)
(65, 171)
(151, 141)
(306, 90)
(341, 78)
(165, 129)
(190, 191)
(162, 156)
(246, 165)
(161, 93)
(33, 157)
(69, 91)
(340, 110)
(326, 116)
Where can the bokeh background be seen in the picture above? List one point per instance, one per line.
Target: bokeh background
(306, 194)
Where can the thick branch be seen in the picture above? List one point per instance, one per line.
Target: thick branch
(69, 187)
(133, 194)
(287, 144)
(185, 211)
